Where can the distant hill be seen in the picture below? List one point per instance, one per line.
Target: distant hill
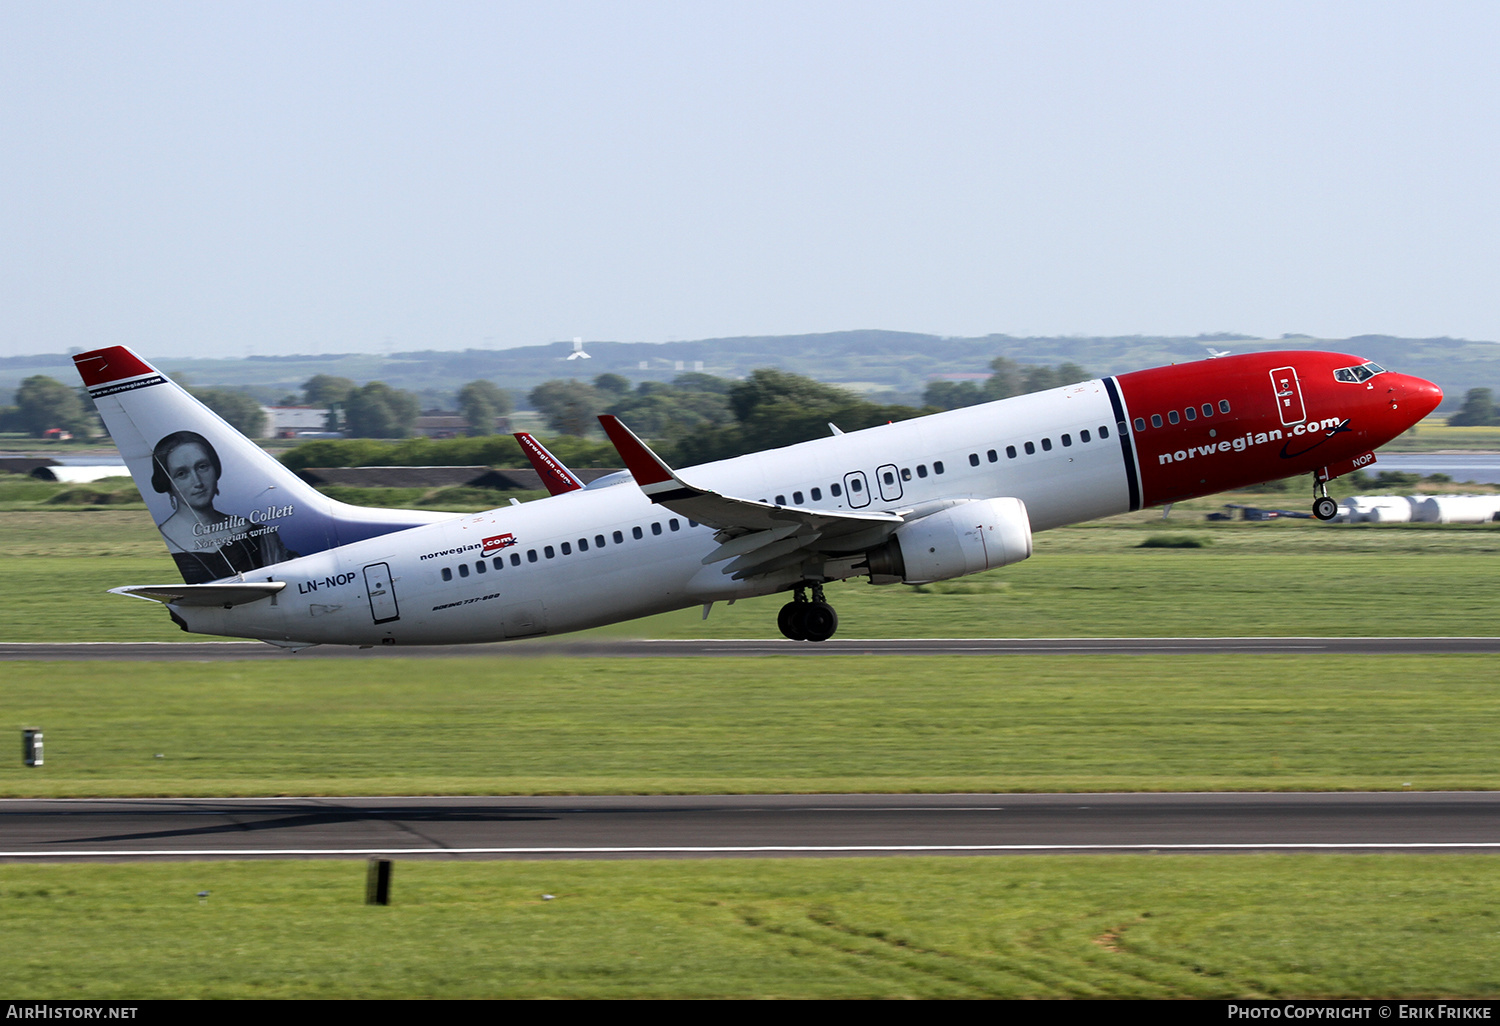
(870, 360)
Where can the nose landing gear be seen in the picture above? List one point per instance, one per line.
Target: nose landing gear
(1324, 508)
(801, 620)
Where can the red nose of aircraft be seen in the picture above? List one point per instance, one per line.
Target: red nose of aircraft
(1414, 397)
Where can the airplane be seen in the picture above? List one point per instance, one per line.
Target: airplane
(264, 555)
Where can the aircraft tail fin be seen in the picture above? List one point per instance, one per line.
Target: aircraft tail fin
(223, 505)
(556, 477)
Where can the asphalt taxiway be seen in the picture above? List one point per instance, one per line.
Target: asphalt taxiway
(705, 826)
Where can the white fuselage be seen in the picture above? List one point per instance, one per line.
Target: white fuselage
(426, 586)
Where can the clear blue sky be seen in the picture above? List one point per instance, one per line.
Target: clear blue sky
(321, 176)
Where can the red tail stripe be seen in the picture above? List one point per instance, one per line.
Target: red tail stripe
(116, 363)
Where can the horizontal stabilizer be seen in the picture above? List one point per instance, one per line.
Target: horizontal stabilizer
(202, 594)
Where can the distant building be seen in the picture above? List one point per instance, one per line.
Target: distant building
(451, 424)
(292, 421)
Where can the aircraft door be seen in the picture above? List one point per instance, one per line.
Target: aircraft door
(857, 489)
(1288, 396)
(890, 482)
(382, 593)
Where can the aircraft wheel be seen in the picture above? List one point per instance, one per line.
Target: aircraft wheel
(791, 621)
(820, 621)
(1324, 508)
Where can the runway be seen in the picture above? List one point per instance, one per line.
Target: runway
(746, 825)
(217, 651)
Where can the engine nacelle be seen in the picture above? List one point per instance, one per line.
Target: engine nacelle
(964, 539)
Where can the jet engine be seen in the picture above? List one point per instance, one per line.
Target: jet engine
(964, 539)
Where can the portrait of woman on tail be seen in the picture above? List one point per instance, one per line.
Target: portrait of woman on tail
(207, 544)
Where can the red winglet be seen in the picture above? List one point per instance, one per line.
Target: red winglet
(116, 363)
(642, 463)
(556, 477)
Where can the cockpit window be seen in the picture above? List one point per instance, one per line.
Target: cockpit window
(1363, 372)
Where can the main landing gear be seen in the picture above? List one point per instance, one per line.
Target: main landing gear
(1324, 508)
(802, 620)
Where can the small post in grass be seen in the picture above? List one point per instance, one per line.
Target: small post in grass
(378, 883)
(31, 746)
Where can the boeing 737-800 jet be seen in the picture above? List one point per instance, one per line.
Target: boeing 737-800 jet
(264, 555)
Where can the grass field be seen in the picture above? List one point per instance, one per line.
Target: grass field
(1118, 926)
(756, 725)
(1059, 926)
(1094, 580)
(1434, 434)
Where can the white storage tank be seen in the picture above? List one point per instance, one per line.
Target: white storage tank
(1382, 509)
(1392, 509)
(1458, 509)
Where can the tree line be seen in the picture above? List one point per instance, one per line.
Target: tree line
(1478, 410)
(694, 418)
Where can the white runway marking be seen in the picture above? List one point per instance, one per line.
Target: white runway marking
(798, 849)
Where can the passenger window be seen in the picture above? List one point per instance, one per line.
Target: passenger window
(994, 456)
(888, 477)
(618, 537)
(906, 473)
(583, 544)
(1104, 431)
(635, 532)
(1010, 452)
(480, 567)
(780, 501)
(937, 466)
(463, 569)
(1067, 440)
(447, 574)
(674, 524)
(1208, 409)
(1140, 425)
(1046, 445)
(1172, 416)
(1031, 448)
(1223, 405)
(797, 498)
(973, 459)
(692, 523)
(835, 490)
(856, 485)
(515, 559)
(921, 470)
(1190, 413)
(817, 495)
(1156, 420)
(549, 552)
(598, 541)
(499, 562)
(656, 527)
(1083, 436)
(567, 550)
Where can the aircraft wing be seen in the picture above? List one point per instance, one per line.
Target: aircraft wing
(756, 537)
